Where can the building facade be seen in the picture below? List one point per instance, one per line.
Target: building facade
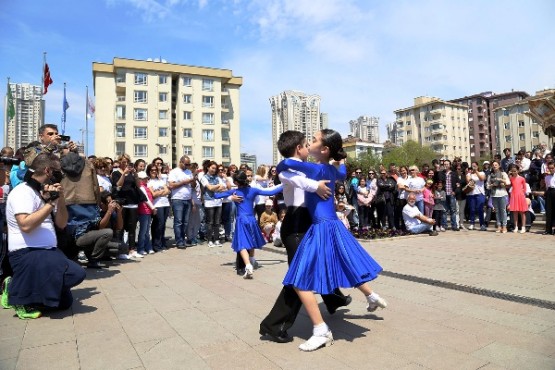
(366, 128)
(482, 127)
(439, 124)
(250, 160)
(152, 108)
(356, 147)
(29, 115)
(517, 130)
(295, 110)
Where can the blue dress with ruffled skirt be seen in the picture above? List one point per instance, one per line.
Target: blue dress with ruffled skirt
(247, 234)
(328, 257)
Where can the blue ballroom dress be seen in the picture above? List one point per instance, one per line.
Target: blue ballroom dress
(328, 257)
(247, 234)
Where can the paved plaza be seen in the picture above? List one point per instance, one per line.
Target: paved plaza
(187, 309)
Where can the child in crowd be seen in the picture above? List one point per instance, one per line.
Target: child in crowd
(268, 221)
(276, 236)
(439, 205)
(342, 213)
(145, 211)
(428, 197)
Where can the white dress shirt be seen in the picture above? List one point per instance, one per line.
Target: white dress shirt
(295, 183)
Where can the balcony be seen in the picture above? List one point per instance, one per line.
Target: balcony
(225, 122)
(225, 91)
(225, 107)
(120, 98)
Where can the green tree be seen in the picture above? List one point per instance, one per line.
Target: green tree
(364, 161)
(410, 153)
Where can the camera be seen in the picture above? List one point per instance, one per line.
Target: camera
(10, 161)
(52, 194)
(120, 201)
(65, 138)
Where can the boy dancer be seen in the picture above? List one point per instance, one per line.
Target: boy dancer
(292, 144)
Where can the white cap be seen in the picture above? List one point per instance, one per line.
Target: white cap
(142, 175)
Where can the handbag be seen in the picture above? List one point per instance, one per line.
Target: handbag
(469, 187)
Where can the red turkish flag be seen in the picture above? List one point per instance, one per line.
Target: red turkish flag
(46, 78)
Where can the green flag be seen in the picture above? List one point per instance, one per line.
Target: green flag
(11, 105)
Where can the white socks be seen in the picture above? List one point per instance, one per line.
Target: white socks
(373, 297)
(320, 330)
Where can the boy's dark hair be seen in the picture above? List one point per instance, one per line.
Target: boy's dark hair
(104, 196)
(240, 178)
(332, 139)
(288, 142)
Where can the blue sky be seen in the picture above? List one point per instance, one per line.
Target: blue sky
(361, 57)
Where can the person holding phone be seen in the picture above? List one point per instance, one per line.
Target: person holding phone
(477, 197)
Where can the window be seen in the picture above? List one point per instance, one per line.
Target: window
(536, 134)
(208, 152)
(225, 151)
(187, 132)
(520, 123)
(505, 112)
(140, 114)
(140, 150)
(140, 133)
(162, 132)
(120, 78)
(163, 114)
(507, 125)
(162, 149)
(140, 78)
(207, 84)
(187, 150)
(140, 96)
(508, 138)
(186, 81)
(521, 137)
(120, 130)
(208, 118)
(408, 123)
(162, 79)
(187, 99)
(162, 97)
(225, 134)
(207, 135)
(120, 111)
(208, 101)
(187, 116)
(120, 148)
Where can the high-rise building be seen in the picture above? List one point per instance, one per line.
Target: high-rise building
(153, 108)
(250, 160)
(294, 110)
(437, 123)
(517, 130)
(482, 127)
(366, 128)
(29, 114)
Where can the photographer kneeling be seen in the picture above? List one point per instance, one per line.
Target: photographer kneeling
(42, 274)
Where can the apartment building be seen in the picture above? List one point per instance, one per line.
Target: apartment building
(356, 147)
(436, 123)
(29, 115)
(295, 110)
(516, 129)
(152, 108)
(482, 127)
(366, 128)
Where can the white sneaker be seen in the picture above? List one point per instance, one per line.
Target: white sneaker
(143, 253)
(471, 227)
(515, 230)
(123, 257)
(374, 303)
(523, 230)
(442, 228)
(134, 254)
(249, 271)
(151, 252)
(314, 342)
(211, 245)
(217, 243)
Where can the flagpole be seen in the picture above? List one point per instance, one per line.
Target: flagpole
(87, 123)
(43, 66)
(64, 110)
(7, 114)
(43, 103)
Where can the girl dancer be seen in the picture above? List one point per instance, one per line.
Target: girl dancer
(247, 235)
(329, 256)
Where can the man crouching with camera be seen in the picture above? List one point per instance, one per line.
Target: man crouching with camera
(42, 275)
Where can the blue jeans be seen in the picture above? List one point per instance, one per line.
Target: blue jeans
(158, 228)
(181, 211)
(144, 244)
(500, 206)
(228, 215)
(420, 205)
(418, 229)
(451, 209)
(476, 205)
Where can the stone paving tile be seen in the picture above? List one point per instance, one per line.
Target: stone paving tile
(109, 349)
(53, 356)
(234, 355)
(10, 346)
(8, 363)
(145, 327)
(49, 330)
(514, 358)
(131, 306)
(169, 353)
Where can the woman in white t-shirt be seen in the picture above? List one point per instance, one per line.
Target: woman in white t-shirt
(228, 207)
(402, 200)
(477, 197)
(160, 191)
(212, 183)
(102, 168)
(415, 184)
